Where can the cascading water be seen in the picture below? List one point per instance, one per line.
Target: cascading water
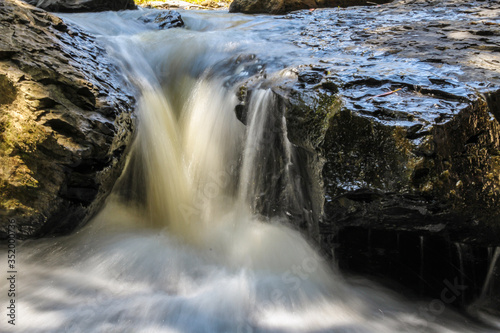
(180, 246)
(492, 272)
(487, 306)
(270, 182)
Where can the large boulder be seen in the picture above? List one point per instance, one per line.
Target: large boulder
(404, 115)
(82, 5)
(285, 6)
(65, 122)
(400, 104)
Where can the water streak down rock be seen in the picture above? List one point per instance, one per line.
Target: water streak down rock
(65, 122)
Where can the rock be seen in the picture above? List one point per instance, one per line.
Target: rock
(426, 155)
(73, 6)
(395, 115)
(403, 115)
(285, 6)
(175, 4)
(393, 169)
(163, 20)
(65, 122)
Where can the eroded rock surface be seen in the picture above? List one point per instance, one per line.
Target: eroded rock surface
(65, 122)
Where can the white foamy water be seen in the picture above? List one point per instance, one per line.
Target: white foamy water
(189, 253)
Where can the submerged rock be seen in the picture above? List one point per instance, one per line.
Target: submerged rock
(73, 6)
(65, 122)
(285, 6)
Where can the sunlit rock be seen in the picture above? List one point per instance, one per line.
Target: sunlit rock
(65, 122)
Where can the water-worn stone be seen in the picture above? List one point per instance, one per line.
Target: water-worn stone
(285, 6)
(65, 122)
(73, 6)
(400, 104)
(163, 19)
(403, 109)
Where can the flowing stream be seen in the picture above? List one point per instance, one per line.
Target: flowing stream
(189, 240)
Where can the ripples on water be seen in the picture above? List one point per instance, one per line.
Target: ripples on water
(177, 248)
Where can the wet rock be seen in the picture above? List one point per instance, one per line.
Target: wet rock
(406, 142)
(390, 168)
(73, 6)
(176, 4)
(65, 122)
(285, 6)
(163, 20)
(415, 144)
(410, 157)
(398, 129)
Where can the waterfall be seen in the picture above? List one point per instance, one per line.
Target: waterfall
(422, 265)
(195, 237)
(493, 272)
(270, 182)
(493, 256)
(461, 248)
(488, 305)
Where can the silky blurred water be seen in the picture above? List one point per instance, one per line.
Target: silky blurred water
(181, 245)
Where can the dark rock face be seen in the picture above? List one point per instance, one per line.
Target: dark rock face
(65, 122)
(424, 156)
(408, 130)
(401, 105)
(72, 6)
(285, 6)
